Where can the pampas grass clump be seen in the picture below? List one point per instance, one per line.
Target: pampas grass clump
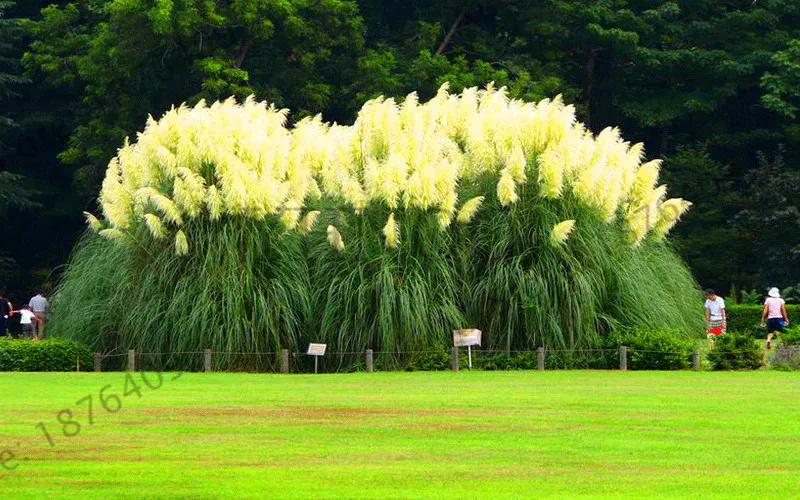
(224, 229)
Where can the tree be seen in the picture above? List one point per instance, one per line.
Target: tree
(771, 219)
(782, 85)
(125, 60)
(10, 77)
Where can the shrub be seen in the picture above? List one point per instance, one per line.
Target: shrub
(735, 351)
(791, 336)
(506, 361)
(430, 361)
(589, 359)
(50, 355)
(654, 349)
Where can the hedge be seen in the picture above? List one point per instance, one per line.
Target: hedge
(654, 349)
(735, 351)
(745, 318)
(50, 355)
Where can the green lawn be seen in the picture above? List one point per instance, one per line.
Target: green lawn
(407, 435)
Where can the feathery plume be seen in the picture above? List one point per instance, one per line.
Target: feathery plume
(93, 222)
(181, 243)
(335, 238)
(392, 232)
(155, 226)
(506, 189)
(469, 209)
(307, 223)
(561, 231)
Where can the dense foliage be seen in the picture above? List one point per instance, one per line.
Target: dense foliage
(50, 355)
(706, 85)
(736, 351)
(655, 349)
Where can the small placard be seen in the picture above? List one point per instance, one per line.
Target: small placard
(466, 337)
(316, 349)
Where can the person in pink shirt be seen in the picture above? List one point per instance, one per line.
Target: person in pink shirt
(775, 313)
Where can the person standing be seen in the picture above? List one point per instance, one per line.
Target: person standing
(39, 306)
(5, 312)
(27, 320)
(715, 315)
(775, 313)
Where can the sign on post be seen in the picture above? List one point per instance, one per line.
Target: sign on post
(316, 350)
(467, 337)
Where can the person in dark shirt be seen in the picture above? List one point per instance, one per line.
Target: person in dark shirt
(5, 311)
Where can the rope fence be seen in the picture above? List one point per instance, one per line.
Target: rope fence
(286, 361)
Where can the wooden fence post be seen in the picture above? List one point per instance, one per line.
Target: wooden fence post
(369, 360)
(284, 360)
(97, 358)
(696, 360)
(623, 358)
(207, 354)
(455, 358)
(131, 360)
(540, 358)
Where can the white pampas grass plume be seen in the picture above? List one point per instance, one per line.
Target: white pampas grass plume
(469, 209)
(392, 232)
(155, 226)
(113, 234)
(168, 208)
(551, 172)
(307, 223)
(335, 238)
(444, 217)
(291, 214)
(181, 244)
(669, 214)
(506, 189)
(561, 231)
(93, 222)
(213, 202)
(517, 164)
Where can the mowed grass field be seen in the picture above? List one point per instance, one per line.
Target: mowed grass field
(405, 435)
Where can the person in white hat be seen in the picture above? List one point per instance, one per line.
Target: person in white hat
(775, 313)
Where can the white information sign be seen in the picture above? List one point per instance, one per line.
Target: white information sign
(316, 349)
(466, 337)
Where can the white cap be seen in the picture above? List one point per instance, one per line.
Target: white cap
(774, 292)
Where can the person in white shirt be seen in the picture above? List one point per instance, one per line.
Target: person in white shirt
(775, 313)
(715, 314)
(39, 306)
(26, 320)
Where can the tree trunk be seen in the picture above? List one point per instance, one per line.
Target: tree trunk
(588, 70)
(663, 144)
(450, 33)
(243, 46)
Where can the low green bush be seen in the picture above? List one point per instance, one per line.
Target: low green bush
(791, 336)
(582, 360)
(50, 355)
(746, 318)
(506, 361)
(430, 361)
(736, 351)
(654, 349)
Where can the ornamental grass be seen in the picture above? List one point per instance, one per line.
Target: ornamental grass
(223, 228)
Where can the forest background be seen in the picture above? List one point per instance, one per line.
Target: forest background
(712, 87)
